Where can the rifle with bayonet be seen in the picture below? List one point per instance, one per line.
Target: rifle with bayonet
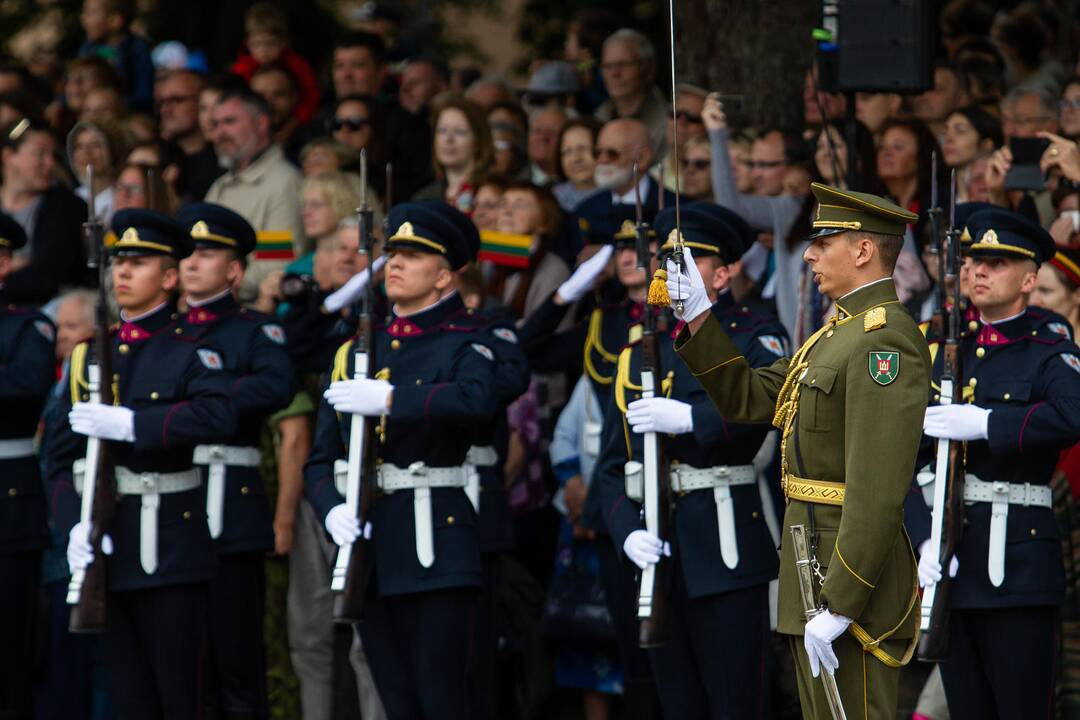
(947, 516)
(656, 501)
(937, 246)
(86, 590)
(355, 561)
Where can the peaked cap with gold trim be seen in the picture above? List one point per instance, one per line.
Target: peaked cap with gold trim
(842, 210)
(215, 226)
(998, 232)
(707, 229)
(146, 232)
(12, 235)
(432, 226)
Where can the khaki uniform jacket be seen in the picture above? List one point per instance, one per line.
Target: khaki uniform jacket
(862, 395)
(267, 195)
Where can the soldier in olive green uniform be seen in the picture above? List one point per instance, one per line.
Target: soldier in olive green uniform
(850, 405)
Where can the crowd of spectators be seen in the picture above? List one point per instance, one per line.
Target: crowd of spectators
(133, 125)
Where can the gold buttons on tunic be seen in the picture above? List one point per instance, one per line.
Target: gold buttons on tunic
(123, 348)
(244, 490)
(972, 325)
(754, 514)
(450, 520)
(187, 514)
(395, 344)
(178, 330)
(980, 352)
(1006, 396)
(1032, 532)
(154, 395)
(12, 492)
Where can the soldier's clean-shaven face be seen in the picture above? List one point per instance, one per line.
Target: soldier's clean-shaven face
(142, 282)
(832, 261)
(207, 272)
(415, 279)
(999, 286)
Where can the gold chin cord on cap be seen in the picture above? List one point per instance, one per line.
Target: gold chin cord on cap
(658, 292)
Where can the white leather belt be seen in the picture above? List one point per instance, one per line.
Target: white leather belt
(420, 478)
(685, 478)
(16, 448)
(217, 458)
(721, 478)
(151, 486)
(1001, 495)
(477, 457)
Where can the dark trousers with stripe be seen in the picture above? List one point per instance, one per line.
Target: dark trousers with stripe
(1003, 663)
(154, 649)
(421, 651)
(20, 575)
(715, 663)
(236, 671)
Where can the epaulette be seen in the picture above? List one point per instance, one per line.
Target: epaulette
(874, 319)
(1051, 327)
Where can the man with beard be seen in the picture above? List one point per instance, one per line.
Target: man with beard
(620, 144)
(259, 184)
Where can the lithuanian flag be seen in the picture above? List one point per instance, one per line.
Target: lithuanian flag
(274, 245)
(506, 249)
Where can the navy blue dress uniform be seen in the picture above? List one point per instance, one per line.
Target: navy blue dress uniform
(252, 349)
(724, 555)
(27, 372)
(420, 610)
(179, 392)
(1004, 622)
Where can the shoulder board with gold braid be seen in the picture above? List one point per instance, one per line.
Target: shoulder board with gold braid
(80, 387)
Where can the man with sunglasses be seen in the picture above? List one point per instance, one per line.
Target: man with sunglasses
(689, 103)
(620, 144)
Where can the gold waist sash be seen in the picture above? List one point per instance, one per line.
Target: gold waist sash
(821, 492)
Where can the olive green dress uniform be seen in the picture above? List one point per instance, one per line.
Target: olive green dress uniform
(850, 404)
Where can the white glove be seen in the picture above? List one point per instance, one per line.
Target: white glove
(80, 553)
(360, 396)
(579, 283)
(688, 287)
(643, 548)
(660, 415)
(350, 291)
(956, 422)
(108, 422)
(930, 568)
(343, 526)
(818, 637)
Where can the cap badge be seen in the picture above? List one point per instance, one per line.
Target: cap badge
(989, 238)
(200, 230)
(406, 229)
(131, 235)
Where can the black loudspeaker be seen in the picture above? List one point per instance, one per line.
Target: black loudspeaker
(886, 46)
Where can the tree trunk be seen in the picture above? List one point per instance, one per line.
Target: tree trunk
(759, 49)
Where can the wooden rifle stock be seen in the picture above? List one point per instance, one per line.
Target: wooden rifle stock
(86, 591)
(947, 521)
(355, 561)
